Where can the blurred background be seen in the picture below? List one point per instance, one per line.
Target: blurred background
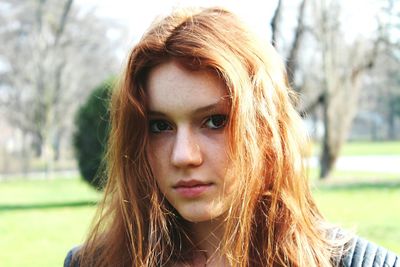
(58, 62)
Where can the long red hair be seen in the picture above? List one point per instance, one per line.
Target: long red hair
(274, 220)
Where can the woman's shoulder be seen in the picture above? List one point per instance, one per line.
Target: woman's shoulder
(70, 257)
(364, 253)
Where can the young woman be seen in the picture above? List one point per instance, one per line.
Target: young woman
(206, 158)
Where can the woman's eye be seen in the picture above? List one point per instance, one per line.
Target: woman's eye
(216, 121)
(158, 126)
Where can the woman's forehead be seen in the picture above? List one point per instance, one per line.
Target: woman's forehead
(171, 87)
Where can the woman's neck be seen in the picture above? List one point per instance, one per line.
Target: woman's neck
(207, 237)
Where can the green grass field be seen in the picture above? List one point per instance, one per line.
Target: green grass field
(347, 176)
(371, 148)
(366, 148)
(372, 211)
(41, 220)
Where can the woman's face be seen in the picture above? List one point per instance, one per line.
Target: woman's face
(188, 111)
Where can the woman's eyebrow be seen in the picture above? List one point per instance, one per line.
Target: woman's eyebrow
(155, 113)
(205, 109)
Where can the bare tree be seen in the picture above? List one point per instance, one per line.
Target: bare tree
(343, 68)
(334, 79)
(53, 56)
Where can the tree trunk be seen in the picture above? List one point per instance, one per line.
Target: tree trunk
(37, 145)
(327, 158)
(327, 162)
(25, 155)
(391, 121)
(57, 144)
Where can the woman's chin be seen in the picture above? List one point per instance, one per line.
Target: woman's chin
(200, 216)
(197, 218)
(201, 211)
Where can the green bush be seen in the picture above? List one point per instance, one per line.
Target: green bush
(90, 138)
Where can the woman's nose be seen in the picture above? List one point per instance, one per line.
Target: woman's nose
(186, 151)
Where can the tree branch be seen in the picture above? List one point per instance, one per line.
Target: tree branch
(274, 23)
(292, 61)
(311, 107)
(63, 21)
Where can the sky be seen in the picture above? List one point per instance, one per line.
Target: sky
(136, 16)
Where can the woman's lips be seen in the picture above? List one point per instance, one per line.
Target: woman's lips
(191, 188)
